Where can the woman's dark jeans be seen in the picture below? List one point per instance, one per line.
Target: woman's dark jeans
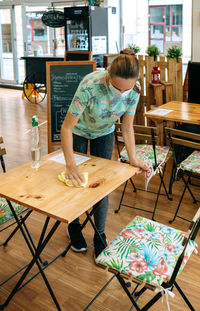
(100, 147)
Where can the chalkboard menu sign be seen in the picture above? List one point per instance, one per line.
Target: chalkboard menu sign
(63, 79)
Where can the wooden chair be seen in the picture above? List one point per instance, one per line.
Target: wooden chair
(188, 167)
(148, 151)
(151, 255)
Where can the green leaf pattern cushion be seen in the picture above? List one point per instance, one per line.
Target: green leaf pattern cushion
(146, 250)
(5, 212)
(145, 153)
(191, 163)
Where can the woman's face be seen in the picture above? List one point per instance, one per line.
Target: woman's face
(122, 84)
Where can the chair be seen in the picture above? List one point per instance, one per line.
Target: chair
(151, 255)
(188, 167)
(146, 150)
(6, 216)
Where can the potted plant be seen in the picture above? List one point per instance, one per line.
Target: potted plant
(94, 2)
(136, 49)
(174, 52)
(153, 50)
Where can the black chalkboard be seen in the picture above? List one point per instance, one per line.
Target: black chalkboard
(63, 79)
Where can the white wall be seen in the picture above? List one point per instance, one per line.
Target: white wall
(187, 29)
(195, 31)
(113, 27)
(135, 22)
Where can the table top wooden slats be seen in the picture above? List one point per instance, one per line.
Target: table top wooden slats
(40, 189)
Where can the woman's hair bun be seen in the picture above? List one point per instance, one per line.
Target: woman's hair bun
(127, 52)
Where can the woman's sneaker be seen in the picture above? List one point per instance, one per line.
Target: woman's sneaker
(98, 245)
(78, 243)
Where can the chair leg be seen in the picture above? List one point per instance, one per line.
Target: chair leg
(162, 181)
(184, 297)
(158, 193)
(134, 187)
(123, 284)
(117, 210)
(172, 178)
(181, 199)
(155, 206)
(186, 184)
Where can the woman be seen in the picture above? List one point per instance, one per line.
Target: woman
(100, 100)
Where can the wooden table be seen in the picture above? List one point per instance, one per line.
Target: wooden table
(181, 112)
(40, 190)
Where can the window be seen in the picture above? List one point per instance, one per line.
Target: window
(165, 26)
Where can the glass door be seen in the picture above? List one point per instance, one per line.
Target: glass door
(7, 47)
(37, 36)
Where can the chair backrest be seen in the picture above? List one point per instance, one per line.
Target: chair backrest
(2, 153)
(182, 138)
(190, 236)
(145, 135)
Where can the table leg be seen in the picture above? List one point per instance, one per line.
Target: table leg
(35, 253)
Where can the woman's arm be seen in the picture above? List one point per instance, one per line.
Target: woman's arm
(72, 171)
(129, 140)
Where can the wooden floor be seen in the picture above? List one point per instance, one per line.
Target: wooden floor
(76, 279)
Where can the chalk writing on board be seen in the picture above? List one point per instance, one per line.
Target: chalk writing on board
(64, 80)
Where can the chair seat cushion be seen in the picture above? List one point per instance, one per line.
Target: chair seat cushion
(146, 250)
(192, 163)
(5, 212)
(145, 153)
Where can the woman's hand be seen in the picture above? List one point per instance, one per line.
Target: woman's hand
(141, 164)
(73, 174)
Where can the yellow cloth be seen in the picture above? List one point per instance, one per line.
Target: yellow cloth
(69, 183)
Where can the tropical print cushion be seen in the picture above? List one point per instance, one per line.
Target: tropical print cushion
(5, 212)
(145, 153)
(191, 163)
(146, 250)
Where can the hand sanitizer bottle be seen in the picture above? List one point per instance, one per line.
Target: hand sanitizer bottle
(35, 143)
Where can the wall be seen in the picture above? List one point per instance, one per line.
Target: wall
(135, 23)
(113, 26)
(195, 31)
(187, 29)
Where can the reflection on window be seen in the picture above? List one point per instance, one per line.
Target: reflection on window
(168, 15)
(159, 44)
(157, 15)
(176, 34)
(168, 34)
(177, 14)
(40, 34)
(157, 31)
(37, 33)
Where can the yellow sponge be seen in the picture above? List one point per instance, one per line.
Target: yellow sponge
(69, 183)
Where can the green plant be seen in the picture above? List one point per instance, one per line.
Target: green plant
(153, 50)
(93, 2)
(174, 52)
(136, 49)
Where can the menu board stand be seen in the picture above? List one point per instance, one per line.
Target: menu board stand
(62, 79)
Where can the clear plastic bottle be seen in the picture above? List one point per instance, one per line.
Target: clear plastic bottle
(35, 143)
